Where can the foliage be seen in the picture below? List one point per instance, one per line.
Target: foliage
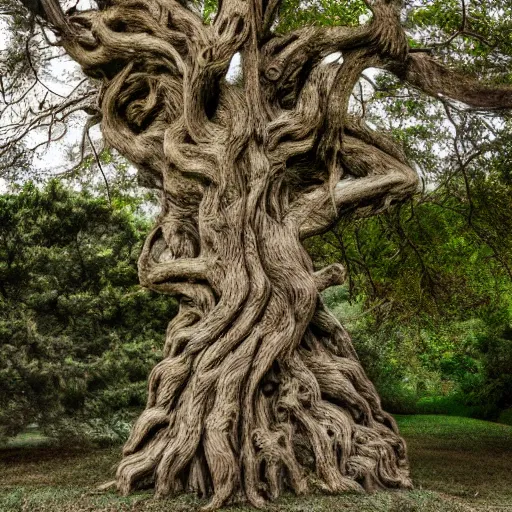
(435, 332)
(78, 333)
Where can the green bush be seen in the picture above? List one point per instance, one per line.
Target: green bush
(505, 417)
(453, 368)
(79, 335)
(111, 430)
(397, 399)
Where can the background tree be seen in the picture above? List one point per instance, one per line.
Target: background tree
(257, 375)
(79, 335)
(434, 275)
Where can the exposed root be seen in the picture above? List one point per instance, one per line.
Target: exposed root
(264, 418)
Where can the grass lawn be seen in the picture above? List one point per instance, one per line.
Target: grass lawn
(458, 464)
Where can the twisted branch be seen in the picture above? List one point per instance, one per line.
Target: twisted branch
(433, 78)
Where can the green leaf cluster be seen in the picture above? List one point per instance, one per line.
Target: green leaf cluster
(78, 334)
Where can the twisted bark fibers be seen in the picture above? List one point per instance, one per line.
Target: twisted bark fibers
(260, 388)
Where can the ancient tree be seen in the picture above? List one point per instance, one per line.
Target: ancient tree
(260, 388)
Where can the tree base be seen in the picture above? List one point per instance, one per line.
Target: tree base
(226, 432)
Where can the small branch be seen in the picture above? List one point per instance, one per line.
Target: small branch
(332, 275)
(362, 263)
(339, 237)
(462, 31)
(36, 76)
(380, 303)
(462, 163)
(100, 167)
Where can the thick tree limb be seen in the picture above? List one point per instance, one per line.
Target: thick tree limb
(435, 79)
(193, 269)
(286, 57)
(383, 179)
(282, 55)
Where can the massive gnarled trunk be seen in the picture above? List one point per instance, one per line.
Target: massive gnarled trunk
(260, 388)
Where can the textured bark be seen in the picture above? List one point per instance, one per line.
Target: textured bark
(260, 387)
